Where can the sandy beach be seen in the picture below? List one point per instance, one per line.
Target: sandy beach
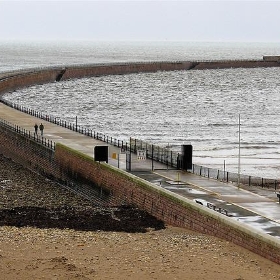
(47, 232)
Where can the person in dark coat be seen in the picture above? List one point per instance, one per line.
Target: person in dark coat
(36, 128)
(41, 127)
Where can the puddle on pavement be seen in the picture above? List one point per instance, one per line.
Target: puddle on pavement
(261, 224)
(175, 183)
(185, 188)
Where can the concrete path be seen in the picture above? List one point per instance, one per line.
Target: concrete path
(255, 206)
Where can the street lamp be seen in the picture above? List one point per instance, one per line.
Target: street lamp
(238, 180)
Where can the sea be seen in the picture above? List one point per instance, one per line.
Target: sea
(231, 117)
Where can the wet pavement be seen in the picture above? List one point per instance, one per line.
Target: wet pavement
(256, 207)
(262, 213)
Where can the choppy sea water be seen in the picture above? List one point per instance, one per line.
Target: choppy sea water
(29, 54)
(200, 107)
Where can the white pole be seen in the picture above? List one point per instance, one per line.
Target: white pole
(224, 170)
(238, 181)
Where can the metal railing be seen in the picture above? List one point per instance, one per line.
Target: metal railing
(157, 153)
(226, 176)
(26, 133)
(160, 154)
(173, 159)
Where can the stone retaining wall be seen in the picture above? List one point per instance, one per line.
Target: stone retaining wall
(30, 77)
(125, 68)
(25, 79)
(235, 64)
(67, 163)
(29, 153)
(165, 205)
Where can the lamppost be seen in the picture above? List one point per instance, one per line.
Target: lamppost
(238, 180)
(224, 170)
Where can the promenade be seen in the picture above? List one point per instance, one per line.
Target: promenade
(256, 207)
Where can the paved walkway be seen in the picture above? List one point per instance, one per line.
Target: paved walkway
(257, 207)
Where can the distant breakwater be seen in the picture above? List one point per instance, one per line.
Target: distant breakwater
(10, 81)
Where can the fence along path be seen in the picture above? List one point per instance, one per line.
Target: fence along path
(267, 198)
(158, 154)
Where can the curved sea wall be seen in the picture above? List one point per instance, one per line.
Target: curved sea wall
(66, 164)
(70, 166)
(124, 68)
(236, 64)
(25, 78)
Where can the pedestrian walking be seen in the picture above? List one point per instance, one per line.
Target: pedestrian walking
(36, 128)
(41, 127)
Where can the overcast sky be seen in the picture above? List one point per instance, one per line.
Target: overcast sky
(255, 21)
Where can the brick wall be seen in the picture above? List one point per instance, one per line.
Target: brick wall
(26, 151)
(125, 68)
(169, 207)
(235, 64)
(24, 79)
(66, 163)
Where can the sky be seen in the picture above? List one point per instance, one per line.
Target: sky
(196, 21)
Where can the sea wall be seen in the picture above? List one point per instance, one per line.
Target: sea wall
(67, 164)
(271, 58)
(124, 68)
(25, 150)
(128, 68)
(171, 208)
(236, 64)
(25, 78)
